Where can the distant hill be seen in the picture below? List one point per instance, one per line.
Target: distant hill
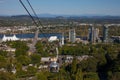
(20, 16)
(56, 19)
(66, 16)
(47, 15)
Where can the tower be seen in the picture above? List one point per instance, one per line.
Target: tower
(72, 35)
(93, 34)
(62, 39)
(105, 34)
(96, 35)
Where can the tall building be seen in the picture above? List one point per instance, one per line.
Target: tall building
(72, 35)
(62, 39)
(105, 33)
(93, 34)
(96, 35)
(90, 35)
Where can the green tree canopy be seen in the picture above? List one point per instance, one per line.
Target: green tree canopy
(24, 60)
(41, 76)
(35, 58)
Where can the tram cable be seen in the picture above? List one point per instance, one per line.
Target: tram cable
(40, 23)
(32, 16)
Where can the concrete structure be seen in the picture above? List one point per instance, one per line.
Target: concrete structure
(93, 34)
(90, 33)
(105, 34)
(62, 43)
(72, 35)
(43, 67)
(96, 35)
(10, 50)
(116, 39)
(10, 38)
(45, 59)
(62, 40)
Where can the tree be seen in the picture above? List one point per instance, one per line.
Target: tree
(89, 65)
(74, 66)
(18, 66)
(39, 48)
(3, 53)
(31, 70)
(41, 76)
(79, 75)
(21, 74)
(116, 64)
(101, 61)
(91, 76)
(24, 60)
(116, 76)
(21, 47)
(6, 76)
(35, 58)
(3, 62)
(20, 51)
(9, 67)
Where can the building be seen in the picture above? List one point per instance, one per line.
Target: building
(62, 43)
(93, 34)
(53, 38)
(116, 39)
(105, 34)
(72, 35)
(10, 50)
(45, 59)
(9, 38)
(96, 35)
(90, 33)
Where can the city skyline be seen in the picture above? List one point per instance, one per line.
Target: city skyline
(63, 7)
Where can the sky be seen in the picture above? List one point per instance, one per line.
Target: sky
(66, 7)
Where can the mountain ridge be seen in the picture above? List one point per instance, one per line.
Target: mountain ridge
(63, 15)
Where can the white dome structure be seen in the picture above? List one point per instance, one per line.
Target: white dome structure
(52, 38)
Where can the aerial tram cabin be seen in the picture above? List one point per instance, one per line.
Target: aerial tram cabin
(54, 67)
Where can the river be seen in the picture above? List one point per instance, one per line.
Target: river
(31, 35)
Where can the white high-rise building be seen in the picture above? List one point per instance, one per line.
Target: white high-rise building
(105, 33)
(72, 35)
(62, 39)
